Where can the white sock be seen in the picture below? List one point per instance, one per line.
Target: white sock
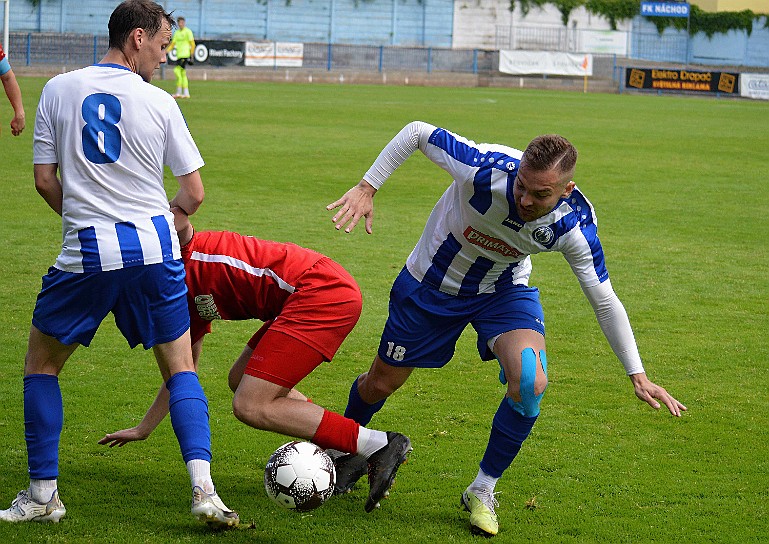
(484, 481)
(185, 92)
(200, 474)
(179, 90)
(42, 490)
(370, 441)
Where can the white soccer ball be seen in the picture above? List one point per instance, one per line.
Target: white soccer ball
(299, 476)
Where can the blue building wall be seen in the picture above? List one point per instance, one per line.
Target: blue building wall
(368, 22)
(731, 49)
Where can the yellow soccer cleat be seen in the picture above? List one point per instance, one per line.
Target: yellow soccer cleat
(480, 503)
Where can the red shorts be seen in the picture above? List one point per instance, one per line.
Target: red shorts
(317, 317)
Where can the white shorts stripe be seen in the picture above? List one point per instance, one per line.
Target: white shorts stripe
(244, 266)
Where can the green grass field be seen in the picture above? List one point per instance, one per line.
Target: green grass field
(678, 184)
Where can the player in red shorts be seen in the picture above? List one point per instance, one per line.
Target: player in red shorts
(309, 304)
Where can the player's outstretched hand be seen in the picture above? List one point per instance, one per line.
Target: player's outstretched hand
(121, 438)
(651, 393)
(356, 203)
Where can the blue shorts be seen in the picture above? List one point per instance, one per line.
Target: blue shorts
(424, 324)
(149, 304)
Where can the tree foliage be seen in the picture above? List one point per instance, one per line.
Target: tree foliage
(614, 11)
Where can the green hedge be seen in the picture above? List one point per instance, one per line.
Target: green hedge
(621, 10)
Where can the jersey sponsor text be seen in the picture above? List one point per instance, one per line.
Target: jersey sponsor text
(492, 244)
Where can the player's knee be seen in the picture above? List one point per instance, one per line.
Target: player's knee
(378, 386)
(533, 383)
(248, 412)
(374, 387)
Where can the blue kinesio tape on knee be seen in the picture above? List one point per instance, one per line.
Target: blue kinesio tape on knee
(529, 404)
(502, 377)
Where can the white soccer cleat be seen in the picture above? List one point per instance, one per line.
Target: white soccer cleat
(25, 508)
(210, 509)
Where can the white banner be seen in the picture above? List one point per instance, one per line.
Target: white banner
(289, 54)
(260, 54)
(544, 62)
(754, 86)
(274, 54)
(604, 41)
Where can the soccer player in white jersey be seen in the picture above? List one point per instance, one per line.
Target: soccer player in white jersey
(472, 266)
(102, 137)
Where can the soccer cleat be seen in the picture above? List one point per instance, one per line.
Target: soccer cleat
(349, 469)
(483, 519)
(383, 465)
(210, 509)
(25, 508)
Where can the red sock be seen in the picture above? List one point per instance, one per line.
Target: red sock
(337, 432)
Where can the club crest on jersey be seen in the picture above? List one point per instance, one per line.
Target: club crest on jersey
(543, 235)
(207, 307)
(492, 244)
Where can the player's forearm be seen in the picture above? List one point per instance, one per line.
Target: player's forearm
(191, 193)
(615, 325)
(156, 413)
(13, 92)
(48, 185)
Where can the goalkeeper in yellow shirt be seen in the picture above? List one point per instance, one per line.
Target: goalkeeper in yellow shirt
(184, 42)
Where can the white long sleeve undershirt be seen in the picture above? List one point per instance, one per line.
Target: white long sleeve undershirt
(614, 323)
(396, 152)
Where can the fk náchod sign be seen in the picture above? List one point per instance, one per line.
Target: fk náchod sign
(665, 9)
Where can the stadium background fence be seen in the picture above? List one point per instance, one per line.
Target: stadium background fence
(76, 50)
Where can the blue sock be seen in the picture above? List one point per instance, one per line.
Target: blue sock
(43, 421)
(508, 431)
(189, 416)
(358, 409)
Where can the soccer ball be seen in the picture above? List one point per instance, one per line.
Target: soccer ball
(299, 476)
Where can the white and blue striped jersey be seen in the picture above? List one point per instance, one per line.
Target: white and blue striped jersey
(474, 242)
(111, 133)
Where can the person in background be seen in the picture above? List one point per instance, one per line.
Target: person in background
(13, 92)
(184, 42)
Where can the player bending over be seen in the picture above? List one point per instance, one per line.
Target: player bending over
(471, 267)
(309, 304)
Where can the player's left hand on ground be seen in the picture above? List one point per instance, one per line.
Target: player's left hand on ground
(121, 438)
(355, 204)
(653, 394)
